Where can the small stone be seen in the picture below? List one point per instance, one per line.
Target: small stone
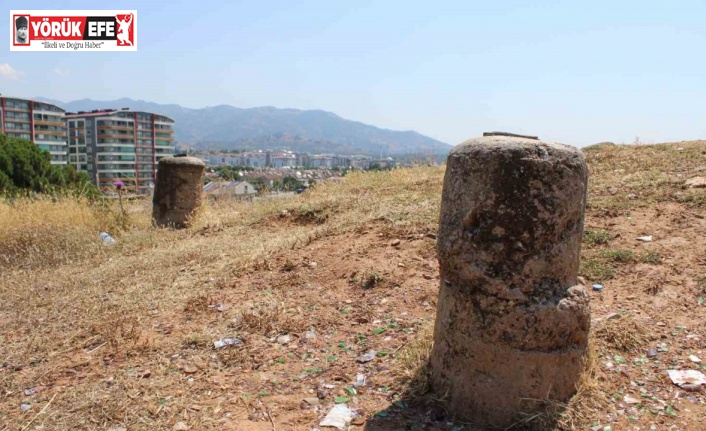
(180, 426)
(284, 339)
(190, 369)
(25, 406)
(195, 407)
(320, 395)
(146, 374)
(312, 401)
(427, 276)
(30, 391)
(395, 243)
(652, 353)
(358, 422)
(313, 265)
(631, 400)
(694, 359)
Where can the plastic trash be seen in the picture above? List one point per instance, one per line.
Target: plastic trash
(106, 238)
(359, 380)
(227, 342)
(695, 359)
(338, 417)
(25, 406)
(687, 379)
(368, 356)
(646, 238)
(597, 287)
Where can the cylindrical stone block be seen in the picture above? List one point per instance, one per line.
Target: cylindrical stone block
(512, 324)
(178, 191)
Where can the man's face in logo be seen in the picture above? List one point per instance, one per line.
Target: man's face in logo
(22, 32)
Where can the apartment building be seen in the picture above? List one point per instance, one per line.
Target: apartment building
(39, 122)
(283, 159)
(125, 145)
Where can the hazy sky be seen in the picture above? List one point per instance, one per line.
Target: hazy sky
(575, 71)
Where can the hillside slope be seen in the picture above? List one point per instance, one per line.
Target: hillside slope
(122, 336)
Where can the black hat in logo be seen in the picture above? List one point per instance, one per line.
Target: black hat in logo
(21, 22)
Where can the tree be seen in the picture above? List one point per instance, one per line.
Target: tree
(25, 167)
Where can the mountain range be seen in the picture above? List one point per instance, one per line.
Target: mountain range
(226, 127)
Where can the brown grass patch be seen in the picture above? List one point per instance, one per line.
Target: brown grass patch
(575, 414)
(413, 372)
(624, 334)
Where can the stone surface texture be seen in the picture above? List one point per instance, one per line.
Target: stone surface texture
(512, 322)
(178, 191)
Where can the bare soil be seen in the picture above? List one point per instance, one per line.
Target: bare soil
(124, 340)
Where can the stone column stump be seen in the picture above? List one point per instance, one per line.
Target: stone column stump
(512, 324)
(178, 191)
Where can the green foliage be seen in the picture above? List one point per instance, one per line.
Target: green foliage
(597, 237)
(618, 255)
(652, 257)
(25, 168)
(231, 172)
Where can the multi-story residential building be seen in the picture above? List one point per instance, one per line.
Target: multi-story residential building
(283, 160)
(255, 159)
(112, 145)
(320, 161)
(39, 122)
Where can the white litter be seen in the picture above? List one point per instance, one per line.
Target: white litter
(695, 359)
(646, 238)
(359, 380)
(368, 356)
(687, 377)
(226, 342)
(106, 238)
(338, 417)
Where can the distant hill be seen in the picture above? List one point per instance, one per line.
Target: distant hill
(228, 127)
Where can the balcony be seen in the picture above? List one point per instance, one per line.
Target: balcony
(57, 123)
(128, 128)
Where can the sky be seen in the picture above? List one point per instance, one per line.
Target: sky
(569, 71)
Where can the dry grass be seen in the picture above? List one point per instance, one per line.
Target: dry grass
(574, 415)
(82, 316)
(624, 334)
(628, 176)
(413, 372)
(65, 294)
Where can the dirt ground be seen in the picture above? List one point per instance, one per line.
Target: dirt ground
(307, 312)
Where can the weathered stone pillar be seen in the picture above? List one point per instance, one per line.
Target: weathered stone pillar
(177, 193)
(512, 324)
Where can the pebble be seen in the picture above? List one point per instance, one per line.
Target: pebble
(180, 426)
(652, 353)
(694, 359)
(312, 401)
(25, 406)
(395, 243)
(284, 339)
